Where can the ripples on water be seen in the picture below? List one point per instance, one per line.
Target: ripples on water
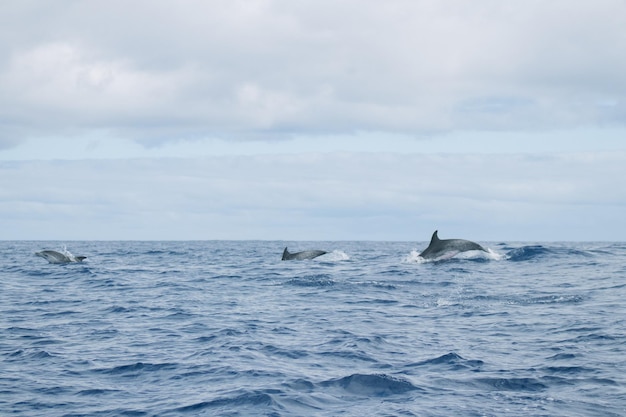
(227, 328)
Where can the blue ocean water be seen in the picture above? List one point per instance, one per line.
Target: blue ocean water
(227, 328)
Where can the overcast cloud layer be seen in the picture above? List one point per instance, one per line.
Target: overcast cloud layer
(318, 197)
(155, 71)
(344, 119)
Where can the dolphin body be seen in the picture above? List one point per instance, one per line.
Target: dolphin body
(307, 254)
(447, 248)
(55, 257)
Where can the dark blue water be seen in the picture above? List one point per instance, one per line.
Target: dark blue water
(227, 328)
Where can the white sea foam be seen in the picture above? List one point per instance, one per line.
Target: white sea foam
(336, 255)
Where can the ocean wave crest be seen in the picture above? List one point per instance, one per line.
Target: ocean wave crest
(371, 385)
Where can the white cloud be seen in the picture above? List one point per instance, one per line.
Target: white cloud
(98, 145)
(404, 116)
(165, 70)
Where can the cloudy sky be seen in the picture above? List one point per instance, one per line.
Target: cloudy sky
(313, 120)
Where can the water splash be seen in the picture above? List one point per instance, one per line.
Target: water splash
(336, 256)
(489, 255)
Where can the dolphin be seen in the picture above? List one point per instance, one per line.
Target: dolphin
(307, 254)
(447, 248)
(55, 257)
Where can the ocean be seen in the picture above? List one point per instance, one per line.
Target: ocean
(225, 328)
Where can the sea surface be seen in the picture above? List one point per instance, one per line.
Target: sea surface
(225, 328)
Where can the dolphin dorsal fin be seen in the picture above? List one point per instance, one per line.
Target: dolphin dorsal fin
(285, 254)
(435, 238)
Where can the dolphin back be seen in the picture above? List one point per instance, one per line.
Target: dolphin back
(439, 247)
(307, 254)
(55, 257)
(432, 248)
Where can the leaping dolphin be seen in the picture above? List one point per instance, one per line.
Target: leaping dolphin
(307, 254)
(447, 248)
(55, 257)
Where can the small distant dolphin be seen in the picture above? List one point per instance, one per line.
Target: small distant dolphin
(55, 257)
(447, 248)
(307, 254)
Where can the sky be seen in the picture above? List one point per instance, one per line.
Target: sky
(313, 120)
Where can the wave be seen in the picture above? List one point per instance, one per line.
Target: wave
(135, 369)
(526, 253)
(97, 392)
(271, 350)
(319, 280)
(510, 384)
(245, 399)
(562, 356)
(532, 252)
(30, 354)
(371, 385)
(568, 370)
(164, 252)
(451, 360)
(547, 299)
